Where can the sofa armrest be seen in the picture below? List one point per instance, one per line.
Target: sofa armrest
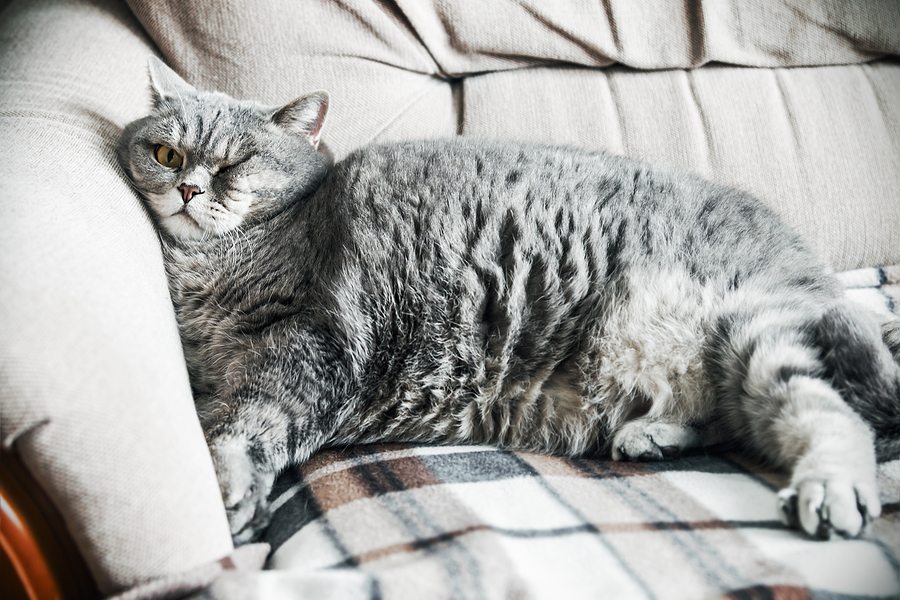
(94, 394)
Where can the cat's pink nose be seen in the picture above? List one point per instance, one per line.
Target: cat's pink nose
(188, 191)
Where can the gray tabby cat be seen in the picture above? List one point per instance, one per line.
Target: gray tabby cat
(531, 297)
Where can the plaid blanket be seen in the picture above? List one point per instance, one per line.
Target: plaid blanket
(402, 521)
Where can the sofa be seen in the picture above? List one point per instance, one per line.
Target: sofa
(796, 101)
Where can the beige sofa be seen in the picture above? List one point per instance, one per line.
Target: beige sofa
(797, 101)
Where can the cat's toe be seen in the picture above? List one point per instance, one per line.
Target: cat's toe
(252, 529)
(249, 517)
(635, 445)
(829, 507)
(643, 440)
(245, 489)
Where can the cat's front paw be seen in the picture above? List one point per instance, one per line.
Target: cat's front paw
(829, 505)
(245, 489)
(652, 440)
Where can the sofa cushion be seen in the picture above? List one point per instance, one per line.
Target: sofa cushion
(820, 145)
(94, 392)
(815, 143)
(271, 39)
(486, 35)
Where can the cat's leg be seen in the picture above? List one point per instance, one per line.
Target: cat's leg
(782, 396)
(653, 439)
(282, 409)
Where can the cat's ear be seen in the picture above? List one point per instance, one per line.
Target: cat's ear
(305, 115)
(165, 83)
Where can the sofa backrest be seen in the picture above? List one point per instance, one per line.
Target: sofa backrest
(813, 133)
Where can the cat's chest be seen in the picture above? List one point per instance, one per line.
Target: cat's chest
(203, 291)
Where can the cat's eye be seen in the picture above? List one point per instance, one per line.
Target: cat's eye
(167, 157)
(228, 167)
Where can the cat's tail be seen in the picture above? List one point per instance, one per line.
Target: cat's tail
(863, 361)
(890, 332)
(887, 448)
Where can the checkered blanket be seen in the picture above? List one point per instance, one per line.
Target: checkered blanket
(402, 521)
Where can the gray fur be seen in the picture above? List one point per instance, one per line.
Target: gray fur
(532, 297)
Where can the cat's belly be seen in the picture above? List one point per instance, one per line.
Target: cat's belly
(649, 357)
(644, 356)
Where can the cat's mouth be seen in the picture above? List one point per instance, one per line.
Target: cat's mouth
(183, 213)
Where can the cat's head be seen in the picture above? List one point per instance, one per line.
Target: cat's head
(206, 163)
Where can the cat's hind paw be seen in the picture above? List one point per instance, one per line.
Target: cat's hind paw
(652, 440)
(825, 507)
(245, 489)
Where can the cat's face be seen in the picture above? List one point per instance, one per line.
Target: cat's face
(206, 163)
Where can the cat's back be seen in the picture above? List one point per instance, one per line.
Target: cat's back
(462, 167)
(455, 192)
(460, 175)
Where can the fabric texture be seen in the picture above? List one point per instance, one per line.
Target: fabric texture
(196, 581)
(878, 289)
(413, 522)
(94, 392)
(486, 35)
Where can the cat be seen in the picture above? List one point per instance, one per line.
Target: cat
(469, 291)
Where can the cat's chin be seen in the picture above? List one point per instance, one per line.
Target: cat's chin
(183, 226)
(196, 225)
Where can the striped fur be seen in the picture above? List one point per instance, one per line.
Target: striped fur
(528, 297)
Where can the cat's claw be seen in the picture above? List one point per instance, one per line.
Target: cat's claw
(649, 440)
(245, 489)
(254, 528)
(828, 506)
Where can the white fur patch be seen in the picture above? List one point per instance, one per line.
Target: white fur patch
(260, 180)
(651, 348)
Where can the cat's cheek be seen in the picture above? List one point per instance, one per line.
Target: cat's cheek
(266, 179)
(221, 222)
(165, 204)
(238, 196)
(237, 202)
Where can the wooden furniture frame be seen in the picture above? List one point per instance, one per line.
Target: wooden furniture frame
(38, 558)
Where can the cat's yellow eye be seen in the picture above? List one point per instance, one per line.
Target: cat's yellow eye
(167, 157)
